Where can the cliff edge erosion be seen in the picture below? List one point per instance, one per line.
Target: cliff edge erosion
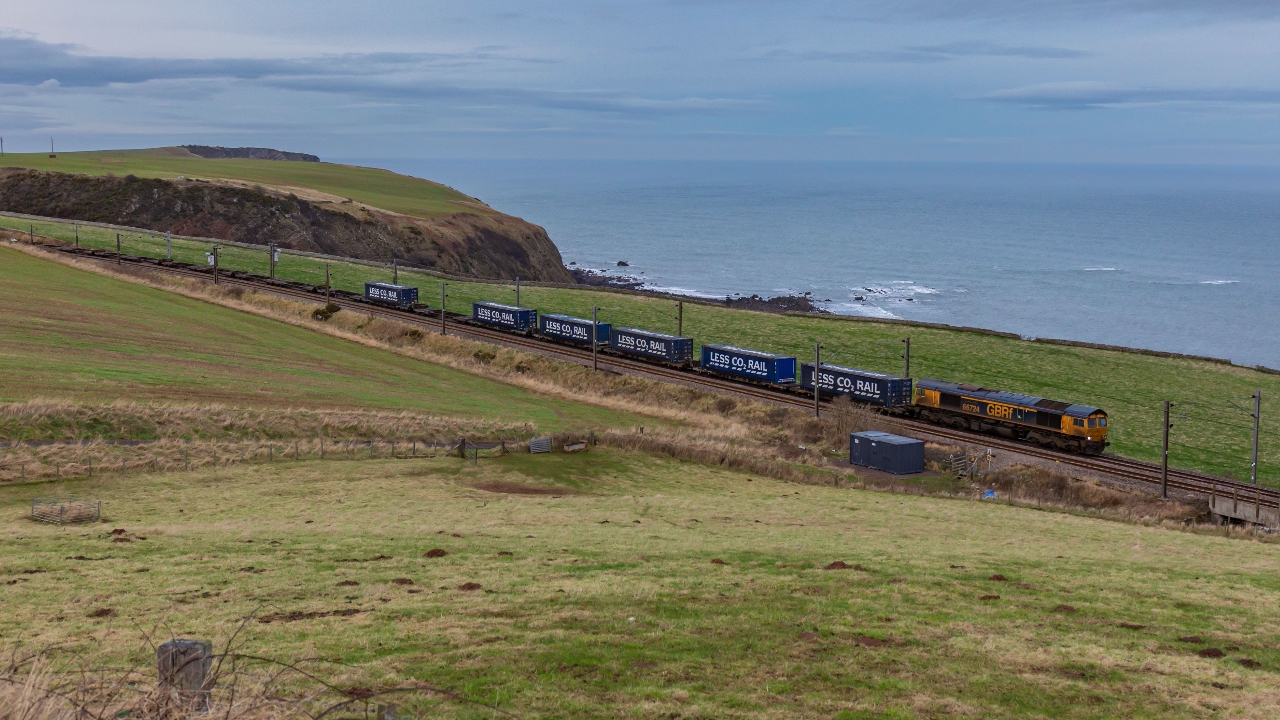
(484, 243)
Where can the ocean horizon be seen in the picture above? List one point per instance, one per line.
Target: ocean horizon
(1181, 259)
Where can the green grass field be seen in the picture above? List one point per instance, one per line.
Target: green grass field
(74, 335)
(610, 605)
(1208, 435)
(380, 188)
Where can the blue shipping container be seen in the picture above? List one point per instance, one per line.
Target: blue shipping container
(862, 385)
(565, 327)
(672, 348)
(890, 453)
(507, 316)
(388, 294)
(749, 363)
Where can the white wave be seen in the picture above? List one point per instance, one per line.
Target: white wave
(1219, 282)
(1099, 269)
(684, 291)
(863, 310)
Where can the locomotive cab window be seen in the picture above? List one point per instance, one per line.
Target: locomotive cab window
(1102, 422)
(1093, 422)
(1079, 422)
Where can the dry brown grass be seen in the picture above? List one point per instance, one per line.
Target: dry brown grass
(56, 439)
(1028, 484)
(62, 421)
(244, 686)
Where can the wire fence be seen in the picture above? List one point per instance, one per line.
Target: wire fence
(65, 510)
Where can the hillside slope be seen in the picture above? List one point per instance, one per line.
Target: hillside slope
(487, 244)
(380, 188)
(99, 340)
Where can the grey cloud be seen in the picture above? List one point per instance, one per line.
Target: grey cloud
(922, 54)
(1094, 95)
(890, 10)
(20, 120)
(27, 61)
(408, 91)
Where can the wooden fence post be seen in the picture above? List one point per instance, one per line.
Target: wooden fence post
(184, 667)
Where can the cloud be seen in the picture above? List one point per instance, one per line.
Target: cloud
(27, 61)
(1087, 95)
(908, 10)
(921, 54)
(404, 91)
(17, 119)
(398, 79)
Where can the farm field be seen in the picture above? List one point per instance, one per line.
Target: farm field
(69, 334)
(380, 188)
(1209, 434)
(613, 600)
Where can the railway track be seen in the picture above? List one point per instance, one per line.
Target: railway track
(1112, 465)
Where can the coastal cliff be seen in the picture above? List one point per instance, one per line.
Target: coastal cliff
(484, 244)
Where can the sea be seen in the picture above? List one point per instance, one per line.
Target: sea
(1175, 258)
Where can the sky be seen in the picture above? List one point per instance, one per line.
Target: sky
(1108, 81)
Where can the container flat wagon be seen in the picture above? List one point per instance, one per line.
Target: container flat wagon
(671, 349)
(572, 329)
(754, 364)
(401, 296)
(505, 316)
(879, 389)
(1065, 426)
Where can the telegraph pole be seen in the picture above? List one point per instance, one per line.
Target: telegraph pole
(271, 260)
(517, 292)
(1164, 454)
(215, 264)
(442, 297)
(595, 337)
(168, 243)
(906, 358)
(395, 272)
(77, 230)
(117, 248)
(680, 318)
(326, 283)
(817, 366)
(1257, 418)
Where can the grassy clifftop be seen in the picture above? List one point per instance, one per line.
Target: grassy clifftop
(380, 188)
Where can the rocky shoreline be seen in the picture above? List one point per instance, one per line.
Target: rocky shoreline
(780, 304)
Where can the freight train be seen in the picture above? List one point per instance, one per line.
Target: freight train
(1050, 423)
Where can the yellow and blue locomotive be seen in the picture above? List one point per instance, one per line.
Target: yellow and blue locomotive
(1065, 426)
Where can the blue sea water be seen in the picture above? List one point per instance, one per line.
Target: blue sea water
(1184, 259)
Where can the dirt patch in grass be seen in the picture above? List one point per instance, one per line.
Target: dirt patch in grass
(871, 642)
(294, 616)
(838, 565)
(1066, 609)
(348, 583)
(102, 613)
(1131, 626)
(1249, 663)
(998, 578)
(1211, 653)
(401, 581)
(470, 587)
(435, 553)
(514, 488)
(1195, 639)
(989, 597)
